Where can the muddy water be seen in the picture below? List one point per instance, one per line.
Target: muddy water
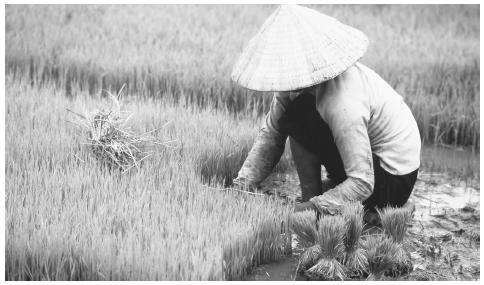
(443, 240)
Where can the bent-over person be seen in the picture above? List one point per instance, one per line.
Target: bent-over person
(336, 112)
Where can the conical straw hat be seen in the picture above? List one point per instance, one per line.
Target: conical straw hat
(298, 47)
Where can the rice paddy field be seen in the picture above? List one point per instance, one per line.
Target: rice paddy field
(68, 217)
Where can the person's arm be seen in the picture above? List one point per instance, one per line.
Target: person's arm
(348, 121)
(267, 149)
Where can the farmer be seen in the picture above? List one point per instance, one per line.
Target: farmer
(336, 112)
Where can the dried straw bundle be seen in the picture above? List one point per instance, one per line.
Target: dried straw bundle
(331, 239)
(395, 223)
(354, 256)
(111, 140)
(381, 254)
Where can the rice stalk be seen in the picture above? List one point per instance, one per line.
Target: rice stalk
(395, 222)
(381, 254)
(303, 224)
(327, 269)
(309, 258)
(331, 239)
(112, 141)
(354, 257)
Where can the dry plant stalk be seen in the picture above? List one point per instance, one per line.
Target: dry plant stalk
(354, 256)
(395, 223)
(331, 239)
(112, 141)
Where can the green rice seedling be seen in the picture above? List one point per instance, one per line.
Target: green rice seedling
(303, 224)
(395, 222)
(70, 220)
(331, 230)
(308, 258)
(381, 253)
(354, 256)
(89, 47)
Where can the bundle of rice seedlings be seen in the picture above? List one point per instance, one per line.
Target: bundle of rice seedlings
(381, 254)
(303, 224)
(395, 222)
(308, 258)
(331, 230)
(354, 256)
(111, 140)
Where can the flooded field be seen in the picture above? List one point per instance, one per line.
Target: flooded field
(443, 240)
(68, 217)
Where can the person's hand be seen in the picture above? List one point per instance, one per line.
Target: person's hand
(243, 184)
(305, 206)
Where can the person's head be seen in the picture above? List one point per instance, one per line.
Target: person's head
(294, 93)
(296, 48)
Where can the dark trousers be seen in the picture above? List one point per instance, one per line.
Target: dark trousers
(312, 145)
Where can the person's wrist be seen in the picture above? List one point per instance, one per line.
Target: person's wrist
(244, 184)
(304, 206)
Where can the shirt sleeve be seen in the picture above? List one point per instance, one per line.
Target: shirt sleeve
(347, 118)
(268, 146)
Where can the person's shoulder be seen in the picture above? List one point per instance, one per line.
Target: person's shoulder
(342, 93)
(347, 84)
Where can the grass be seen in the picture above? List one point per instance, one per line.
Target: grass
(71, 218)
(428, 53)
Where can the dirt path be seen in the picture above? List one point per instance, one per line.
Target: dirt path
(443, 241)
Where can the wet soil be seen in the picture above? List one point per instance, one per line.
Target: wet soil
(443, 240)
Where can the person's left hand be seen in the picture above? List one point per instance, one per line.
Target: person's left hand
(305, 206)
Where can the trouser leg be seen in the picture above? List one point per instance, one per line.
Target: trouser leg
(308, 168)
(389, 190)
(312, 145)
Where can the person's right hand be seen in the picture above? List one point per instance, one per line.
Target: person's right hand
(244, 184)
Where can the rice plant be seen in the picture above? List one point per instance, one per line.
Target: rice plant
(303, 224)
(354, 255)
(433, 62)
(107, 133)
(381, 253)
(68, 219)
(331, 230)
(395, 222)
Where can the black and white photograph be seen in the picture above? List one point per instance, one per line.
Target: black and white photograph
(241, 141)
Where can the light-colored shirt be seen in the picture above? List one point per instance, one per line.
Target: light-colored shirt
(365, 115)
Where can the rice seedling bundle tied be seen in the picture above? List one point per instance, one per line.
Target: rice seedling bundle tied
(354, 256)
(304, 226)
(336, 249)
(112, 141)
(395, 222)
(331, 239)
(381, 253)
